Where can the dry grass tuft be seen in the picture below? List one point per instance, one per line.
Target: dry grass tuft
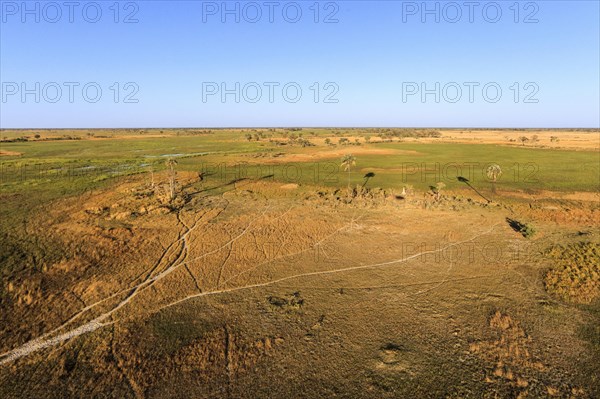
(576, 275)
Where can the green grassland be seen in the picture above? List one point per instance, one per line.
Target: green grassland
(50, 169)
(415, 163)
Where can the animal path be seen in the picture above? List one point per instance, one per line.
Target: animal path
(133, 289)
(325, 272)
(99, 322)
(44, 341)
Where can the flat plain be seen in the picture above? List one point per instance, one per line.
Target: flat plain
(300, 263)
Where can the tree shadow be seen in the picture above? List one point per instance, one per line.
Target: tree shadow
(231, 182)
(468, 183)
(368, 177)
(515, 224)
(524, 229)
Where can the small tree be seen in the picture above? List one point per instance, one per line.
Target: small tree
(348, 161)
(305, 142)
(328, 141)
(367, 139)
(493, 172)
(170, 163)
(151, 171)
(523, 139)
(554, 139)
(437, 190)
(535, 138)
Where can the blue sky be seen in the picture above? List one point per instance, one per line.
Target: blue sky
(355, 63)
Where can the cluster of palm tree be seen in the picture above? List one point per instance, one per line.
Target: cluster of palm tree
(493, 172)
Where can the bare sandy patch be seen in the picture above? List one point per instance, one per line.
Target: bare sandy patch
(544, 194)
(339, 153)
(584, 140)
(291, 186)
(5, 153)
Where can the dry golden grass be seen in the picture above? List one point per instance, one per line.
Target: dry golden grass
(576, 274)
(567, 139)
(263, 290)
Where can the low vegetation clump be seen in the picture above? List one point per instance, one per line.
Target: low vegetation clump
(525, 229)
(436, 191)
(515, 370)
(357, 196)
(576, 276)
(290, 303)
(387, 135)
(361, 192)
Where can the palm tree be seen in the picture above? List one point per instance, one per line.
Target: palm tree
(493, 172)
(348, 161)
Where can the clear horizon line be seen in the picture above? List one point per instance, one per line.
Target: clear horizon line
(303, 127)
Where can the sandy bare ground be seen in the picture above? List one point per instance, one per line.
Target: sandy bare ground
(544, 194)
(386, 302)
(336, 154)
(567, 139)
(5, 153)
(47, 340)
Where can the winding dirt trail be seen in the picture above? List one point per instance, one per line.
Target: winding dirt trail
(325, 272)
(46, 340)
(100, 321)
(133, 290)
